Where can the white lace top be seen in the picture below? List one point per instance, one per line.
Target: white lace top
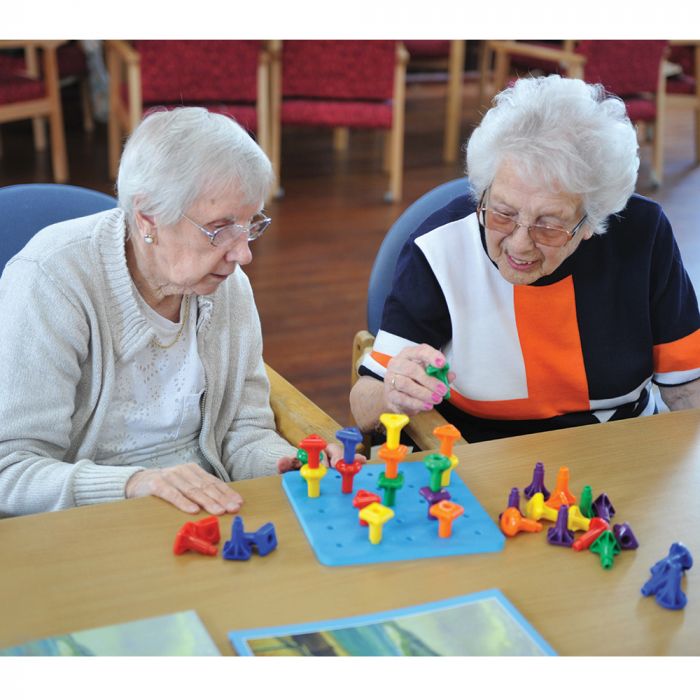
(155, 414)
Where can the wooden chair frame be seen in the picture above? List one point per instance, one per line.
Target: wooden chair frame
(394, 142)
(692, 101)
(48, 106)
(124, 65)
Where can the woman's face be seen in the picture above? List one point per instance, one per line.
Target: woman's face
(519, 259)
(183, 261)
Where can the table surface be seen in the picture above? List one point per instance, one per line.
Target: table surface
(101, 565)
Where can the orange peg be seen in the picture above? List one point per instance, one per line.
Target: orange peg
(446, 512)
(512, 522)
(448, 435)
(392, 457)
(561, 496)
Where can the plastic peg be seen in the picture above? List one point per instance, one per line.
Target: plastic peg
(535, 509)
(375, 514)
(576, 520)
(678, 555)
(313, 444)
(446, 512)
(513, 500)
(441, 374)
(208, 529)
(265, 539)
(351, 438)
(186, 540)
(603, 508)
(363, 499)
(512, 522)
(390, 487)
(537, 483)
(447, 474)
(313, 477)
(586, 502)
(625, 536)
(447, 435)
(597, 527)
(391, 458)
(666, 577)
(669, 594)
(348, 473)
(560, 534)
(303, 457)
(433, 497)
(606, 547)
(393, 423)
(238, 548)
(561, 495)
(436, 464)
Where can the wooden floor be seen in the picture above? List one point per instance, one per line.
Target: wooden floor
(311, 268)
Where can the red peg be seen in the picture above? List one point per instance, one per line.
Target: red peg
(207, 529)
(363, 499)
(186, 540)
(597, 528)
(313, 444)
(348, 472)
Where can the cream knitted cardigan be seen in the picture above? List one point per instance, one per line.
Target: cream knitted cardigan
(67, 313)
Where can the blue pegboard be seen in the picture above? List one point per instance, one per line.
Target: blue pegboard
(330, 521)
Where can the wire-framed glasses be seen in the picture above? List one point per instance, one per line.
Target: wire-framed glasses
(553, 236)
(234, 232)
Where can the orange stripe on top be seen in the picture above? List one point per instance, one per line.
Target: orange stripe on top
(679, 355)
(380, 357)
(551, 347)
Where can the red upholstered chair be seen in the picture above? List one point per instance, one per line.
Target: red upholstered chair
(449, 55)
(231, 77)
(341, 84)
(683, 88)
(630, 69)
(34, 94)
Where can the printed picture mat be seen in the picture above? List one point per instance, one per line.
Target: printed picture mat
(331, 523)
(478, 624)
(177, 634)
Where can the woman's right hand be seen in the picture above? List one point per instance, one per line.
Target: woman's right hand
(408, 388)
(187, 486)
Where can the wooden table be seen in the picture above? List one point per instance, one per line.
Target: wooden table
(100, 565)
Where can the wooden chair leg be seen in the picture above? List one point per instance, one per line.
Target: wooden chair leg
(39, 131)
(397, 127)
(453, 109)
(86, 107)
(113, 118)
(341, 139)
(59, 157)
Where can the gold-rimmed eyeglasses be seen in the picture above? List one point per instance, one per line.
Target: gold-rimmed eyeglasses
(234, 232)
(552, 236)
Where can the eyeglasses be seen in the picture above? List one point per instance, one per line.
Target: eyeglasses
(544, 235)
(234, 232)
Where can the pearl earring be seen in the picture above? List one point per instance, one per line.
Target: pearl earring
(148, 238)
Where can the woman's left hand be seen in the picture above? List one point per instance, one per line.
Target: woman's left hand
(333, 453)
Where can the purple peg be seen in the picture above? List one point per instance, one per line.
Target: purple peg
(560, 534)
(351, 438)
(603, 508)
(625, 536)
(537, 484)
(434, 497)
(513, 501)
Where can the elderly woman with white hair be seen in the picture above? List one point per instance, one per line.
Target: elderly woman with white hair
(131, 347)
(555, 294)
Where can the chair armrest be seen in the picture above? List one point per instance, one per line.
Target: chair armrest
(570, 60)
(296, 416)
(123, 51)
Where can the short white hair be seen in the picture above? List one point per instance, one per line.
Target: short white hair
(567, 134)
(176, 155)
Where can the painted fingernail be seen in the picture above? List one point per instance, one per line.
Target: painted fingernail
(436, 397)
(439, 362)
(442, 390)
(427, 406)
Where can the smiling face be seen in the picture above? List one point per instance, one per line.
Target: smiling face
(518, 258)
(181, 260)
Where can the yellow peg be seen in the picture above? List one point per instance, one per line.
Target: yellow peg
(535, 509)
(376, 514)
(393, 423)
(447, 474)
(313, 479)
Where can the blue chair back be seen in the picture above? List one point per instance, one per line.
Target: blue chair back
(382, 274)
(26, 209)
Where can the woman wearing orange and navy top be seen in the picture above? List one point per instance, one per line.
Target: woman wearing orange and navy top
(556, 295)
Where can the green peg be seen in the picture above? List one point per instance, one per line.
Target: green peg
(441, 374)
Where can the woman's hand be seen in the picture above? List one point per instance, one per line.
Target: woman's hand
(333, 453)
(187, 486)
(408, 388)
